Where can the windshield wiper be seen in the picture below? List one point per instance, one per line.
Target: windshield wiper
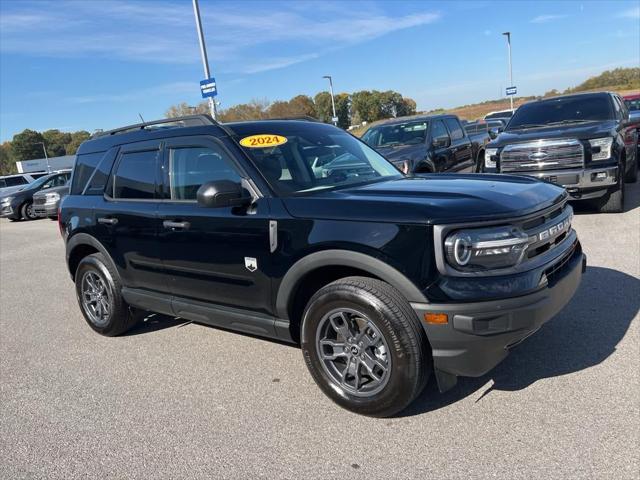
(528, 125)
(566, 122)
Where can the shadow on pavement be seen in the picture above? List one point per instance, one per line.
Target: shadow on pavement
(152, 322)
(631, 201)
(584, 334)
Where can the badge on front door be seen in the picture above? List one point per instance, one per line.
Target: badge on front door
(251, 264)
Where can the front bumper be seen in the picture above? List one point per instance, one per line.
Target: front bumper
(46, 209)
(7, 211)
(581, 184)
(479, 335)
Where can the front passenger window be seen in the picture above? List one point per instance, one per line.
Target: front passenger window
(190, 167)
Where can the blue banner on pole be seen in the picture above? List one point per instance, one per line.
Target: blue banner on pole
(208, 88)
(511, 90)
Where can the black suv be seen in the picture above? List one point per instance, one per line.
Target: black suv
(383, 278)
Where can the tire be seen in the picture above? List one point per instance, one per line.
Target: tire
(103, 307)
(632, 175)
(27, 211)
(479, 162)
(614, 201)
(390, 361)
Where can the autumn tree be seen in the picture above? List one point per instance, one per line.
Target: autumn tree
(26, 145)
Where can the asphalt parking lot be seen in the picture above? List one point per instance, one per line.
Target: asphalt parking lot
(177, 400)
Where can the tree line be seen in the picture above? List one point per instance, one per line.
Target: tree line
(351, 109)
(27, 145)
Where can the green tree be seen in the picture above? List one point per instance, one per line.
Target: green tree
(76, 139)
(56, 142)
(7, 163)
(26, 145)
(343, 104)
(324, 111)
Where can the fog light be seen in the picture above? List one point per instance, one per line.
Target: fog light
(436, 318)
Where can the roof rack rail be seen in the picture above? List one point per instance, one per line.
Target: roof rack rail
(185, 121)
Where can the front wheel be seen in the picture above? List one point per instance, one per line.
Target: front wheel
(27, 211)
(365, 347)
(632, 174)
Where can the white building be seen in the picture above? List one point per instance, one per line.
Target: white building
(46, 165)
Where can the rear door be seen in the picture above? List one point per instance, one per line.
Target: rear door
(442, 153)
(127, 216)
(219, 256)
(462, 153)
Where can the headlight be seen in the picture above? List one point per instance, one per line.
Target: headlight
(52, 197)
(490, 157)
(485, 248)
(6, 200)
(601, 148)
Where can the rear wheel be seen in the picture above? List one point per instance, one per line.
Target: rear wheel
(98, 291)
(365, 347)
(27, 211)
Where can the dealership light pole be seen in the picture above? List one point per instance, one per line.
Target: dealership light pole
(44, 149)
(333, 102)
(203, 53)
(508, 35)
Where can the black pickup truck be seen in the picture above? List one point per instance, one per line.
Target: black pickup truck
(584, 142)
(383, 279)
(428, 144)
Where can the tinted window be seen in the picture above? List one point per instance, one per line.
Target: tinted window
(56, 181)
(85, 165)
(454, 128)
(13, 181)
(135, 175)
(504, 114)
(563, 110)
(101, 174)
(439, 130)
(190, 167)
(314, 157)
(38, 175)
(398, 134)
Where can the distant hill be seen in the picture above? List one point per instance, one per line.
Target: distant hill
(620, 80)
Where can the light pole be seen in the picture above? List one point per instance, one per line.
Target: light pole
(44, 149)
(203, 53)
(508, 35)
(333, 102)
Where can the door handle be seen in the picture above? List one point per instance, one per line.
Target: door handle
(177, 225)
(107, 220)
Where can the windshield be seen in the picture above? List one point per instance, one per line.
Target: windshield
(398, 134)
(38, 183)
(313, 157)
(562, 110)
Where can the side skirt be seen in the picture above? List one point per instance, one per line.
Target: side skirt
(208, 313)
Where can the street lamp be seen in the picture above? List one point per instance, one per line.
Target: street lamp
(333, 103)
(508, 35)
(44, 149)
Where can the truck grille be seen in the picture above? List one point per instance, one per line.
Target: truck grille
(542, 155)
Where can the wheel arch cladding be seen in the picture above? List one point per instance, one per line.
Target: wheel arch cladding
(80, 246)
(337, 260)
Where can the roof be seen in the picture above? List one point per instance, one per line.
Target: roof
(411, 118)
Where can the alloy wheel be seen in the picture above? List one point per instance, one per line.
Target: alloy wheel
(95, 298)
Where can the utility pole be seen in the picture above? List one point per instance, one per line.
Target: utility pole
(508, 35)
(333, 102)
(44, 149)
(203, 53)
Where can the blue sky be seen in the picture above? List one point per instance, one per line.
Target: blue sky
(98, 63)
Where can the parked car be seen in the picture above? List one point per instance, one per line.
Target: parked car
(47, 201)
(18, 205)
(428, 144)
(383, 278)
(633, 104)
(11, 183)
(500, 114)
(584, 142)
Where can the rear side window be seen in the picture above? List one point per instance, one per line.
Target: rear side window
(135, 175)
(13, 181)
(190, 167)
(454, 128)
(85, 165)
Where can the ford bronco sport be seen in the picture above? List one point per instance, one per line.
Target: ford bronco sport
(382, 278)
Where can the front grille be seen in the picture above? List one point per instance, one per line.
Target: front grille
(548, 230)
(39, 200)
(542, 155)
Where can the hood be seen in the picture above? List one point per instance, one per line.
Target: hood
(581, 131)
(62, 191)
(9, 191)
(435, 198)
(399, 153)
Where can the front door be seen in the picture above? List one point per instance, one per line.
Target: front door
(216, 255)
(462, 153)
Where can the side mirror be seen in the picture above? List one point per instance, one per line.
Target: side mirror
(441, 142)
(493, 133)
(222, 193)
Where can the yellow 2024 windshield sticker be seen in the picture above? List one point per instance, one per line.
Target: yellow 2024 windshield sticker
(263, 141)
